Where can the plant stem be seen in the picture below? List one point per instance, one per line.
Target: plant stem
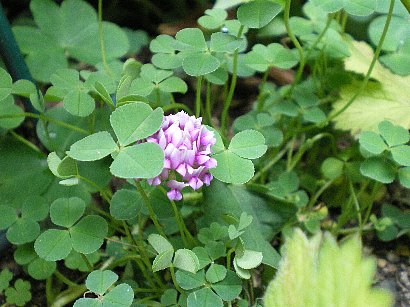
(295, 42)
(271, 163)
(68, 296)
(228, 100)
(319, 38)
(174, 280)
(357, 206)
(261, 95)
(47, 119)
(101, 38)
(372, 64)
(100, 189)
(180, 106)
(150, 209)
(49, 290)
(347, 231)
(198, 96)
(314, 199)
(208, 102)
(87, 262)
(64, 279)
(27, 143)
(375, 189)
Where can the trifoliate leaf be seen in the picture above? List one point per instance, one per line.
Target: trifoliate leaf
(88, 234)
(372, 142)
(392, 134)
(99, 281)
(66, 212)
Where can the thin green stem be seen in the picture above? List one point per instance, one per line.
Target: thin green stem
(47, 119)
(348, 231)
(49, 290)
(344, 21)
(152, 214)
(357, 206)
(179, 106)
(306, 145)
(261, 95)
(179, 223)
(295, 41)
(198, 96)
(100, 189)
(208, 102)
(27, 143)
(319, 38)
(174, 280)
(373, 194)
(68, 296)
(271, 163)
(372, 64)
(228, 100)
(315, 197)
(101, 39)
(64, 279)
(87, 262)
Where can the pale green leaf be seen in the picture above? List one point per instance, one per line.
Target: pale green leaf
(79, 103)
(204, 297)
(93, 147)
(232, 169)
(135, 121)
(66, 211)
(144, 160)
(392, 134)
(88, 234)
(99, 281)
(258, 13)
(401, 154)
(378, 169)
(199, 64)
(53, 244)
(372, 142)
(249, 144)
(163, 260)
(379, 101)
(186, 260)
(249, 259)
(159, 243)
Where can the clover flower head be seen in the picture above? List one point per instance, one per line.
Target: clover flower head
(187, 147)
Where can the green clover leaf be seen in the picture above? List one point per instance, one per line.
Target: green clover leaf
(25, 228)
(20, 294)
(99, 282)
(258, 13)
